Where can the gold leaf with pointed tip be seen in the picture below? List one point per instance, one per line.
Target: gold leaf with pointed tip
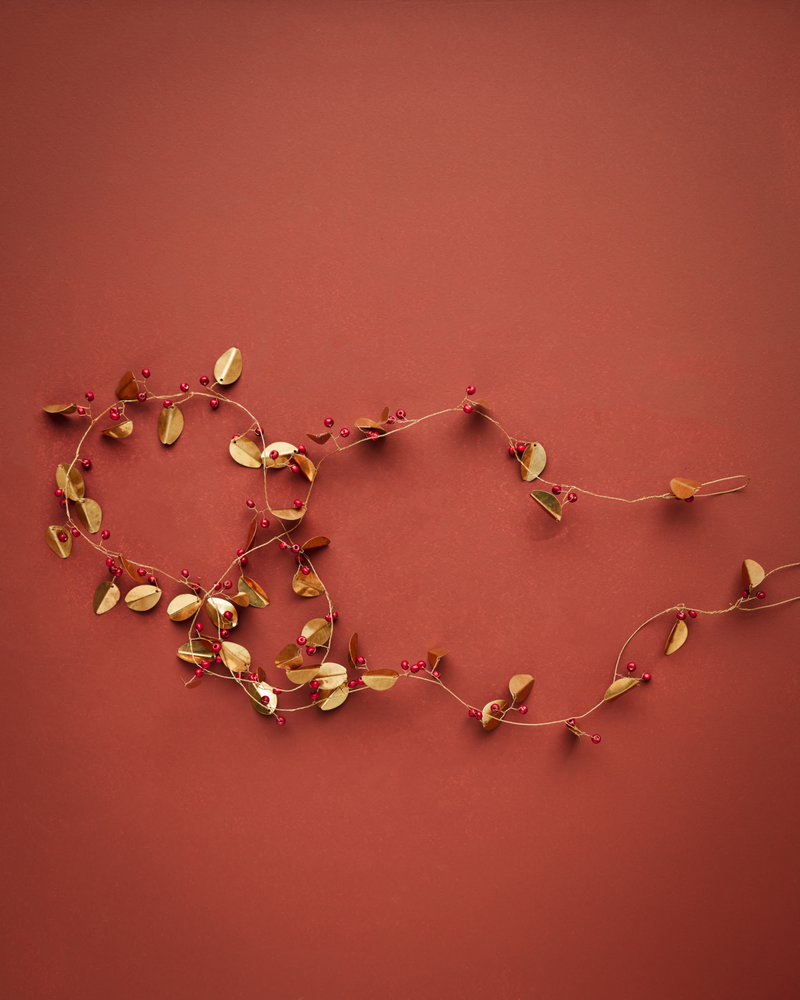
(365, 425)
(306, 466)
(482, 404)
(319, 438)
(241, 599)
(290, 513)
(384, 415)
(520, 686)
(235, 657)
(334, 699)
(70, 481)
(302, 675)
(434, 655)
(307, 586)
(289, 657)
(61, 408)
(677, 637)
(352, 649)
(127, 387)
(229, 366)
(331, 675)
(491, 720)
(195, 652)
(170, 424)
(246, 452)
(533, 462)
(89, 514)
(684, 488)
(619, 687)
(129, 568)
(752, 574)
(316, 542)
(105, 597)
(119, 431)
(51, 536)
(380, 680)
(317, 631)
(258, 598)
(183, 606)
(550, 503)
(216, 608)
(251, 533)
(143, 598)
(259, 690)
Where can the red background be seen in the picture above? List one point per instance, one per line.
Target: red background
(591, 211)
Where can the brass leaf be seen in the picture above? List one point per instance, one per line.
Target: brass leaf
(216, 608)
(302, 675)
(368, 426)
(127, 387)
(384, 415)
(331, 675)
(434, 655)
(170, 424)
(550, 503)
(319, 438)
(533, 462)
(317, 631)
(620, 686)
(677, 637)
(286, 454)
(118, 431)
(316, 542)
(240, 599)
(183, 606)
(520, 686)
(259, 690)
(752, 574)
(491, 720)
(194, 681)
(380, 680)
(129, 568)
(235, 657)
(251, 534)
(89, 514)
(70, 481)
(684, 488)
(352, 649)
(246, 452)
(334, 699)
(195, 652)
(105, 597)
(290, 513)
(307, 586)
(289, 657)
(229, 366)
(60, 548)
(306, 466)
(258, 598)
(61, 408)
(143, 598)
(482, 404)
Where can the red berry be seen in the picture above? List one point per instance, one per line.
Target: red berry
(105, 534)
(360, 661)
(470, 390)
(298, 503)
(647, 678)
(86, 463)
(81, 411)
(745, 593)
(227, 615)
(294, 468)
(693, 614)
(118, 571)
(328, 619)
(390, 420)
(90, 396)
(114, 413)
(495, 707)
(344, 432)
(305, 570)
(435, 673)
(75, 533)
(688, 499)
(62, 537)
(198, 626)
(153, 580)
(521, 448)
(556, 489)
(351, 684)
(185, 574)
(400, 414)
(216, 647)
(213, 403)
(252, 677)
(468, 407)
(198, 672)
(631, 667)
(404, 664)
(273, 454)
(281, 721)
(328, 421)
(310, 650)
(523, 709)
(335, 615)
(761, 595)
(572, 497)
(59, 492)
(570, 722)
(264, 522)
(681, 615)
(184, 386)
(301, 450)
(141, 396)
(511, 451)
(596, 738)
(227, 585)
(109, 561)
(414, 668)
(204, 380)
(224, 633)
(63, 503)
(301, 640)
(145, 373)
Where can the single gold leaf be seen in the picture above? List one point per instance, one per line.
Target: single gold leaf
(289, 657)
(61, 408)
(127, 387)
(307, 586)
(533, 462)
(89, 514)
(331, 675)
(70, 481)
(170, 424)
(317, 631)
(105, 597)
(677, 637)
(380, 680)
(434, 655)
(520, 686)
(352, 649)
(52, 536)
(316, 542)
(251, 534)
(143, 598)
(319, 438)
(229, 366)
(235, 657)
(752, 574)
(194, 681)
(491, 720)
(118, 431)
(183, 606)
(246, 452)
(259, 690)
(129, 568)
(306, 466)
(550, 503)
(258, 599)
(333, 699)
(370, 427)
(290, 513)
(620, 686)
(240, 599)
(482, 404)
(195, 652)
(684, 488)
(216, 607)
(302, 675)
(384, 415)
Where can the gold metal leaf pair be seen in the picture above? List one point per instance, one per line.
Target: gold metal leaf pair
(549, 502)
(216, 607)
(333, 699)
(256, 595)
(316, 632)
(259, 690)
(752, 574)
(235, 657)
(52, 535)
(143, 598)
(434, 655)
(89, 514)
(289, 657)
(170, 424)
(228, 367)
(127, 387)
(302, 675)
(619, 687)
(195, 652)
(307, 586)
(61, 408)
(106, 597)
(684, 488)
(533, 462)
(246, 452)
(70, 481)
(491, 719)
(183, 606)
(331, 675)
(119, 431)
(520, 686)
(380, 680)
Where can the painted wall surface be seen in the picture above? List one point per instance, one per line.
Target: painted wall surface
(589, 210)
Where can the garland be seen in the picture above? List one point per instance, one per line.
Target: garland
(328, 684)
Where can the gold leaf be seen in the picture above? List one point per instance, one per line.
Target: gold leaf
(331, 675)
(143, 598)
(60, 548)
(259, 690)
(434, 655)
(365, 425)
(380, 680)
(289, 657)
(319, 438)
(317, 631)
(352, 649)
(216, 608)
(302, 675)
(677, 637)
(129, 568)
(229, 366)
(482, 404)
(316, 542)
(334, 699)
(170, 424)
(290, 513)
(61, 408)
(195, 652)
(491, 720)
(550, 503)
(520, 686)
(533, 462)
(307, 586)
(384, 415)
(620, 686)
(258, 599)
(119, 431)
(235, 657)
(245, 452)
(105, 597)
(684, 488)
(752, 574)
(183, 606)
(194, 681)
(286, 454)
(240, 599)
(306, 467)
(89, 514)
(251, 534)
(127, 387)
(70, 481)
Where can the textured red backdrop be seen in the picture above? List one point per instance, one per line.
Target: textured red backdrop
(591, 211)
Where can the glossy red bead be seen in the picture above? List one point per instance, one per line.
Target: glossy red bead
(213, 403)
(118, 571)
(145, 373)
(90, 396)
(298, 559)
(435, 673)
(745, 593)
(184, 386)
(521, 448)
(167, 404)
(328, 619)
(310, 650)
(141, 396)
(105, 534)
(281, 721)
(414, 668)
(360, 681)
(198, 672)
(298, 503)
(681, 616)
(81, 411)
(63, 502)
(252, 677)
(404, 664)
(86, 463)
(225, 633)
(250, 503)
(400, 414)
(688, 499)
(240, 552)
(495, 707)
(59, 492)
(478, 715)
(295, 547)
(294, 468)
(344, 432)
(75, 533)
(693, 614)
(227, 585)
(273, 455)
(109, 561)
(217, 585)
(305, 570)
(185, 574)
(216, 646)
(301, 450)
(596, 738)
(152, 580)
(390, 420)
(572, 497)
(227, 615)
(468, 407)
(335, 615)
(523, 709)
(470, 390)
(301, 640)
(204, 380)
(361, 661)
(512, 453)
(198, 626)
(556, 489)
(62, 537)
(351, 684)
(328, 421)
(761, 595)
(114, 413)
(264, 522)
(647, 678)
(631, 667)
